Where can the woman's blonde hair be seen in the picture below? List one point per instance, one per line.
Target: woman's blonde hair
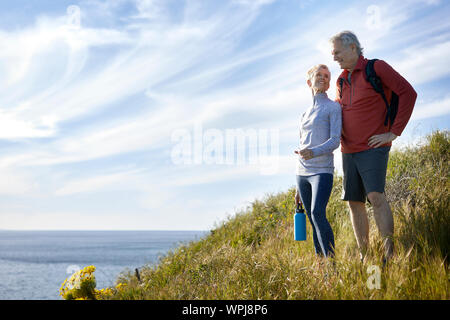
(314, 69)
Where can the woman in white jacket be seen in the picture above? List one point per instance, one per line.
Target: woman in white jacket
(320, 132)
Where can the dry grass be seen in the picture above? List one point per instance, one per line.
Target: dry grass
(253, 254)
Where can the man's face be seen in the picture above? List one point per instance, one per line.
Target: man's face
(345, 56)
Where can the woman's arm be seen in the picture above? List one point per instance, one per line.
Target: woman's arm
(335, 133)
(297, 151)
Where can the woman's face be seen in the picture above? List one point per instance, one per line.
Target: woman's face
(320, 82)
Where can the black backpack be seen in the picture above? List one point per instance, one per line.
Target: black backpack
(375, 81)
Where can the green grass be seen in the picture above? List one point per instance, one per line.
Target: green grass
(253, 254)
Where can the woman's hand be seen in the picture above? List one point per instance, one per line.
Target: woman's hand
(306, 154)
(297, 198)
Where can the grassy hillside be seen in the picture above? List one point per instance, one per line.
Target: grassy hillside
(253, 254)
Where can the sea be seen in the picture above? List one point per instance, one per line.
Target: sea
(34, 264)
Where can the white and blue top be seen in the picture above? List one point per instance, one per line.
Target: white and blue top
(320, 131)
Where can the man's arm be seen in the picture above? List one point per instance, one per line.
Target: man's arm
(406, 94)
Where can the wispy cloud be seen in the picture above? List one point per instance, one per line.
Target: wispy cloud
(425, 63)
(15, 182)
(432, 109)
(96, 183)
(80, 93)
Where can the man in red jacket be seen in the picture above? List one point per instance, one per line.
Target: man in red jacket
(365, 139)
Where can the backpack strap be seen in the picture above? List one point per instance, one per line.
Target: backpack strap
(341, 81)
(375, 81)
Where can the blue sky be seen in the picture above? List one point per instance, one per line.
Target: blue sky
(115, 114)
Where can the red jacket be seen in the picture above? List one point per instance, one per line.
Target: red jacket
(364, 110)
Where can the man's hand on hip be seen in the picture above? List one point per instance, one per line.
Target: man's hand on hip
(380, 139)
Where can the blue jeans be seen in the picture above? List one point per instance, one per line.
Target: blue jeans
(315, 192)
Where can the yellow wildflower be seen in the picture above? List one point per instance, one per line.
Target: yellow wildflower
(120, 285)
(81, 285)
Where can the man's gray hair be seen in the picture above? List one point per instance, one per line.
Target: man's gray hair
(347, 38)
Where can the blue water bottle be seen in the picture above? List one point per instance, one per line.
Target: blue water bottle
(300, 223)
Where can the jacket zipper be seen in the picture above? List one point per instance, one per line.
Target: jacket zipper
(351, 92)
(351, 89)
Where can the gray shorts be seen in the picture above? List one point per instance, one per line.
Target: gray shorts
(364, 172)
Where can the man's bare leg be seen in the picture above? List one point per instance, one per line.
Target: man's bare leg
(360, 222)
(384, 220)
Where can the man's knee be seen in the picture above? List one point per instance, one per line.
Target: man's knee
(377, 199)
(355, 205)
